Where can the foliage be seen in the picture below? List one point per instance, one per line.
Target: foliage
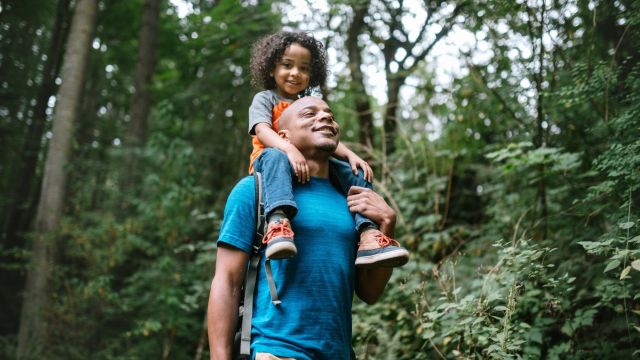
(568, 205)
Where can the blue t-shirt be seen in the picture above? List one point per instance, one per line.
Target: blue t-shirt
(315, 287)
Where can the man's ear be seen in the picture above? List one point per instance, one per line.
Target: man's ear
(284, 134)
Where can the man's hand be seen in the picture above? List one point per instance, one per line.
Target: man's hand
(368, 203)
(357, 162)
(298, 163)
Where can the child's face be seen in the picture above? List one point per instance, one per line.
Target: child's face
(292, 72)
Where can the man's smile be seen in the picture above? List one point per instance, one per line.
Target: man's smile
(326, 129)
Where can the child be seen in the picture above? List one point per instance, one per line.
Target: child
(287, 65)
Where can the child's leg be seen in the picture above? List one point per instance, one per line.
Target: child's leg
(279, 204)
(375, 249)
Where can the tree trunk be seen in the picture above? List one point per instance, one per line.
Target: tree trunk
(390, 46)
(539, 138)
(141, 104)
(26, 182)
(394, 82)
(50, 205)
(363, 108)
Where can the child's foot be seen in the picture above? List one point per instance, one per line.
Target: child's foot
(378, 250)
(279, 240)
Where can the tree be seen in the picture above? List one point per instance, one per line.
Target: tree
(145, 66)
(44, 37)
(50, 205)
(362, 105)
(404, 53)
(25, 180)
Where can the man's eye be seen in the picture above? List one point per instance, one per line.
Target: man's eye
(308, 114)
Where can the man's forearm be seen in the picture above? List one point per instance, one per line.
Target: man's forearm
(222, 317)
(371, 283)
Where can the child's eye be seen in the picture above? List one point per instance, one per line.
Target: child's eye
(286, 65)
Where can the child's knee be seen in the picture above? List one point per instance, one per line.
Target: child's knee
(273, 155)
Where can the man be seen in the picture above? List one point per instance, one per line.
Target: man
(316, 287)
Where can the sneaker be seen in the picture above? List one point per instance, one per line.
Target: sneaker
(378, 250)
(279, 240)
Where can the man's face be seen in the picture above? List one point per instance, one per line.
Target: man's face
(312, 126)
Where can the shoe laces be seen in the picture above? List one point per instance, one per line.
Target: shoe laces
(277, 229)
(384, 241)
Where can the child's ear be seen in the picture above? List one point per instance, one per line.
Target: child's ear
(284, 134)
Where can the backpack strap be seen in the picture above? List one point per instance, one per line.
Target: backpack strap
(252, 271)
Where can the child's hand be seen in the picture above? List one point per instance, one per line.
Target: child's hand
(299, 164)
(356, 162)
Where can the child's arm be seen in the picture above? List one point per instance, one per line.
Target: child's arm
(355, 161)
(270, 138)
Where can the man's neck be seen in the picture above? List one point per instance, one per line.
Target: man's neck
(318, 168)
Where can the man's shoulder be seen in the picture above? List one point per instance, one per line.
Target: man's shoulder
(238, 225)
(245, 187)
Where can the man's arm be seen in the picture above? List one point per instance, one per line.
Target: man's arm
(224, 298)
(370, 283)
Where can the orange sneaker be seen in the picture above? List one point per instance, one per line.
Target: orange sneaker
(378, 250)
(279, 240)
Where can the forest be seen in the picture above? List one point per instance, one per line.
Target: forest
(505, 134)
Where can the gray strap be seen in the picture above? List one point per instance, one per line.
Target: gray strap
(260, 230)
(245, 333)
(272, 284)
(252, 273)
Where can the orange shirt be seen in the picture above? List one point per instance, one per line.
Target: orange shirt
(258, 147)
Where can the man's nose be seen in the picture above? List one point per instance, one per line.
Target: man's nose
(325, 116)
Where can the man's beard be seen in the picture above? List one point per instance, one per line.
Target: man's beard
(328, 147)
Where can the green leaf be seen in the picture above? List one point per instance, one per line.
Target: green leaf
(612, 265)
(428, 334)
(625, 272)
(590, 245)
(626, 225)
(636, 264)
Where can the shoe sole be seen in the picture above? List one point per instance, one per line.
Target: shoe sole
(281, 250)
(389, 259)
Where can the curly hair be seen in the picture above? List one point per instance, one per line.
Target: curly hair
(267, 51)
